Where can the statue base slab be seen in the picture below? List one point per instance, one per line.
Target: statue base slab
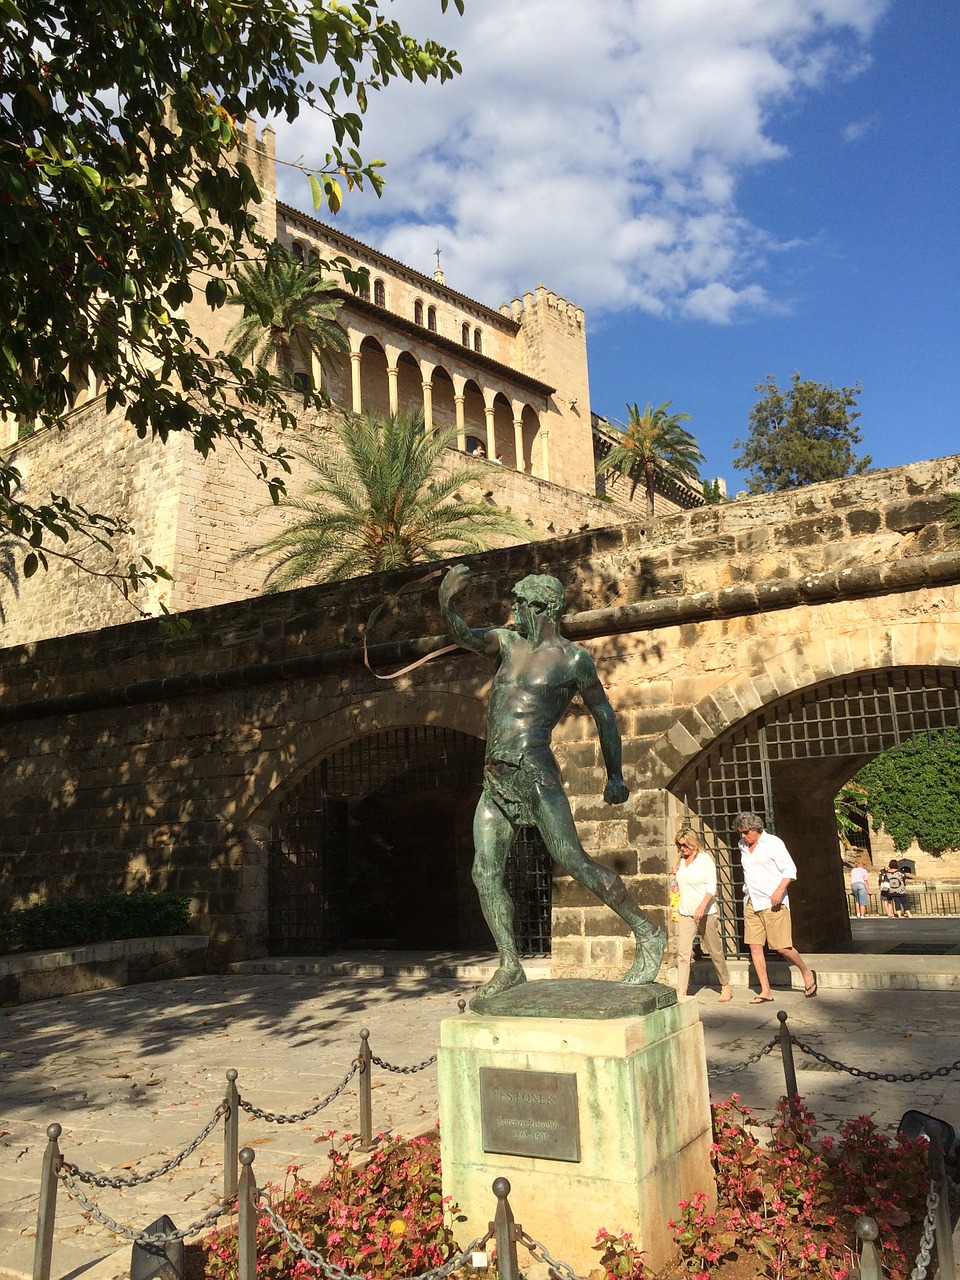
(575, 998)
(597, 1120)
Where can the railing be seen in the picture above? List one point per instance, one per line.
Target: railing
(57, 1170)
(920, 902)
(240, 1188)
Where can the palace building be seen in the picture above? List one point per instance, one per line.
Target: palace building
(513, 382)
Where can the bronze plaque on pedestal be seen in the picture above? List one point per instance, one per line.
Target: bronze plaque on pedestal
(530, 1113)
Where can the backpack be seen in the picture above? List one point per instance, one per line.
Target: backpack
(895, 881)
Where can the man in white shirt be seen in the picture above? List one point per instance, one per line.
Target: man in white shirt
(768, 871)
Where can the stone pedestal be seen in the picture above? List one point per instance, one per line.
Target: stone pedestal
(618, 1104)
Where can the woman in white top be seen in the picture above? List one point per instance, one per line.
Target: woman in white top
(697, 877)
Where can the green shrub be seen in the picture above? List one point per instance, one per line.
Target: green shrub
(108, 917)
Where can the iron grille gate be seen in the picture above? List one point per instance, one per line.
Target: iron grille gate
(327, 829)
(861, 715)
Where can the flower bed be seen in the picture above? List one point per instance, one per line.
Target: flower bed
(786, 1209)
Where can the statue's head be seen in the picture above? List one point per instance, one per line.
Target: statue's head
(541, 594)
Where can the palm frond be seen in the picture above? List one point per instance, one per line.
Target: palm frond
(287, 312)
(378, 496)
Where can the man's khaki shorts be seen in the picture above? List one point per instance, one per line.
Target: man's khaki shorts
(771, 927)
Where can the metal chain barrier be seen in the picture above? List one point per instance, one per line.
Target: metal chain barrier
(274, 1118)
(130, 1233)
(716, 1072)
(334, 1272)
(888, 1076)
(539, 1253)
(926, 1240)
(403, 1071)
(137, 1179)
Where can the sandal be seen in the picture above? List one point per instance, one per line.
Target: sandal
(811, 991)
(761, 1000)
(726, 993)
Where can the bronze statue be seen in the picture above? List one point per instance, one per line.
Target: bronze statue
(539, 674)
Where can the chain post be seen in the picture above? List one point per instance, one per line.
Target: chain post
(944, 1228)
(247, 1216)
(47, 1208)
(461, 1005)
(366, 1091)
(867, 1233)
(231, 1135)
(505, 1233)
(786, 1052)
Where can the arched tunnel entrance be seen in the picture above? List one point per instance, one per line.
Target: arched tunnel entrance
(372, 848)
(787, 762)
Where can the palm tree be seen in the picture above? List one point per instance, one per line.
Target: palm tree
(378, 498)
(287, 316)
(654, 441)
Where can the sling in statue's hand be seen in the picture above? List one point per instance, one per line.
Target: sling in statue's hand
(615, 792)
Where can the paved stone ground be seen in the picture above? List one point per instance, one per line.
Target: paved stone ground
(133, 1074)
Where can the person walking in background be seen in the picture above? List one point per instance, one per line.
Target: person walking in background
(696, 875)
(768, 871)
(858, 887)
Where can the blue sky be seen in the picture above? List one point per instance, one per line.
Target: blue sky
(729, 189)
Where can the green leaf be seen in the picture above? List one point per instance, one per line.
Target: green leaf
(319, 35)
(216, 291)
(212, 38)
(30, 564)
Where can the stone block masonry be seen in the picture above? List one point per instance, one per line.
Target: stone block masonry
(127, 759)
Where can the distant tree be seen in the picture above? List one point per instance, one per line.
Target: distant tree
(654, 441)
(801, 436)
(378, 497)
(287, 315)
(713, 493)
(913, 791)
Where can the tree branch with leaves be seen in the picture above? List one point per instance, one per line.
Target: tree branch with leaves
(121, 187)
(803, 435)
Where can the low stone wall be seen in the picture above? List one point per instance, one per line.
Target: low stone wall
(41, 975)
(132, 761)
(195, 516)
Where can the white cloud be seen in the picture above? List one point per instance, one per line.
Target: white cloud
(596, 148)
(858, 129)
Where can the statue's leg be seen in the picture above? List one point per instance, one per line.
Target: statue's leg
(560, 836)
(492, 838)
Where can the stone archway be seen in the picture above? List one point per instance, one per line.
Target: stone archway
(370, 832)
(787, 761)
(321, 732)
(372, 848)
(374, 389)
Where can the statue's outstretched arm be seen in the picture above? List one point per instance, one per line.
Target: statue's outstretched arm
(598, 704)
(482, 641)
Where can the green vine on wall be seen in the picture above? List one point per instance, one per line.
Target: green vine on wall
(913, 791)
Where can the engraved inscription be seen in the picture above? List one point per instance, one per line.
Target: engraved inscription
(530, 1113)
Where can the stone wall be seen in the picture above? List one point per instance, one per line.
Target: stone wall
(195, 516)
(133, 760)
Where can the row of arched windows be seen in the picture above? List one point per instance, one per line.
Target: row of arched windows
(420, 313)
(465, 338)
(431, 316)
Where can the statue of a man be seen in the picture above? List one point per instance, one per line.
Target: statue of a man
(538, 675)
